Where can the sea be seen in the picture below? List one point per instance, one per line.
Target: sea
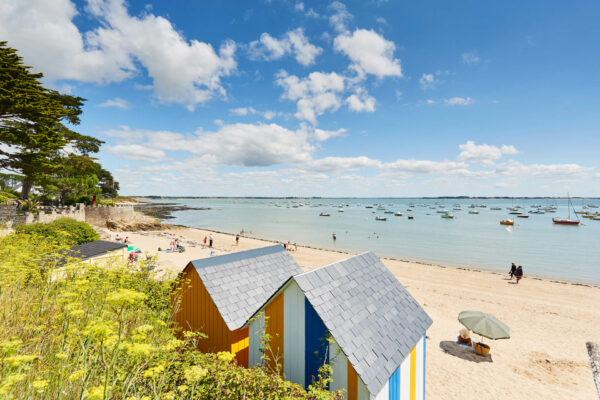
(544, 249)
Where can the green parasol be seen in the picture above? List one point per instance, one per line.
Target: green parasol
(484, 324)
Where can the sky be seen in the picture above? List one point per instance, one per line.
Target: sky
(367, 98)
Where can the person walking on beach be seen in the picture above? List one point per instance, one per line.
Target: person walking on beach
(210, 240)
(204, 245)
(519, 273)
(334, 237)
(513, 269)
(237, 239)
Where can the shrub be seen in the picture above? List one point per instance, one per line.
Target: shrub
(4, 195)
(65, 231)
(81, 232)
(105, 332)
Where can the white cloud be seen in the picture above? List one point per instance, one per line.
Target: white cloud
(312, 14)
(543, 171)
(459, 101)
(116, 102)
(425, 166)
(243, 111)
(183, 72)
(322, 135)
(381, 20)
(361, 101)
(398, 94)
(340, 17)
(342, 164)
(136, 152)
(299, 6)
(248, 145)
(293, 42)
(370, 52)
(429, 101)
(427, 81)
(484, 153)
(470, 58)
(313, 95)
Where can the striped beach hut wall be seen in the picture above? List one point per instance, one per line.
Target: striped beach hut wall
(221, 293)
(355, 315)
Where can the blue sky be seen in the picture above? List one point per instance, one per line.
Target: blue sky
(369, 98)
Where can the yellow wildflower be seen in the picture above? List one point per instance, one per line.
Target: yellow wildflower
(15, 361)
(125, 297)
(40, 385)
(10, 346)
(76, 375)
(96, 393)
(10, 381)
(182, 388)
(225, 356)
(140, 349)
(168, 396)
(61, 355)
(195, 373)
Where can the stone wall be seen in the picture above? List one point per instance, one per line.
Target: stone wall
(97, 215)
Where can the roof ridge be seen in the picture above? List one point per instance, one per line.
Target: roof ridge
(334, 263)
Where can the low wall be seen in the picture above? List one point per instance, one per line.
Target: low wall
(97, 215)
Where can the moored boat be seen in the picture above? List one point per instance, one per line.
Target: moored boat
(380, 218)
(507, 222)
(522, 216)
(568, 220)
(324, 214)
(448, 215)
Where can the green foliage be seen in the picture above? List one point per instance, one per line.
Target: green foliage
(5, 195)
(28, 205)
(105, 332)
(77, 180)
(63, 231)
(32, 123)
(80, 232)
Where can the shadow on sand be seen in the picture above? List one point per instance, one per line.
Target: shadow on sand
(467, 354)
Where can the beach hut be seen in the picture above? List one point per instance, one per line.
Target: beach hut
(355, 315)
(221, 293)
(97, 251)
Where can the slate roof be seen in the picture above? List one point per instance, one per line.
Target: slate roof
(240, 283)
(94, 249)
(371, 316)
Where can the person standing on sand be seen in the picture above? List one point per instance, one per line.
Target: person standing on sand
(204, 245)
(513, 269)
(519, 273)
(334, 237)
(210, 240)
(237, 239)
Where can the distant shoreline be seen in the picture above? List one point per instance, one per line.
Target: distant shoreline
(153, 197)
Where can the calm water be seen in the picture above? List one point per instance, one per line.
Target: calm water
(543, 248)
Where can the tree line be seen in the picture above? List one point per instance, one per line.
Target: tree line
(37, 143)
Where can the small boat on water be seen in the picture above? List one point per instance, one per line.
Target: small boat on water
(398, 214)
(340, 210)
(368, 206)
(448, 215)
(507, 222)
(388, 212)
(568, 220)
(444, 211)
(410, 209)
(515, 212)
(380, 218)
(324, 214)
(473, 212)
(495, 208)
(596, 218)
(411, 217)
(522, 216)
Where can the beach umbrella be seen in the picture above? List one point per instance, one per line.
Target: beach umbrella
(484, 324)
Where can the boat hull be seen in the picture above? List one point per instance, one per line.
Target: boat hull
(564, 221)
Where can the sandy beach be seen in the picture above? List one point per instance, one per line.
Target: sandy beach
(546, 357)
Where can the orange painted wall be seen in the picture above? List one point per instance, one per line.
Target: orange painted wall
(197, 312)
(352, 383)
(274, 328)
